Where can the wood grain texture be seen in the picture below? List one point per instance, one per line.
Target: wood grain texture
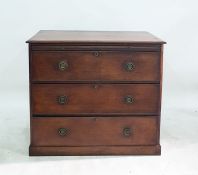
(94, 131)
(61, 36)
(95, 113)
(85, 66)
(96, 98)
(94, 150)
(140, 47)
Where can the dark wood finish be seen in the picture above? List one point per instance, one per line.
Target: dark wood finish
(160, 101)
(95, 98)
(94, 131)
(86, 65)
(96, 85)
(140, 47)
(94, 150)
(53, 36)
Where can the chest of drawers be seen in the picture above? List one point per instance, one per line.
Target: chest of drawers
(95, 93)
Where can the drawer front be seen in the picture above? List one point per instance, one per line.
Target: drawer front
(84, 131)
(95, 98)
(90, 65)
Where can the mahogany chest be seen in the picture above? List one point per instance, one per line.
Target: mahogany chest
(95, 93)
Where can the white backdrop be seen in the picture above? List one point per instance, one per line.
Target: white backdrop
(175, 21)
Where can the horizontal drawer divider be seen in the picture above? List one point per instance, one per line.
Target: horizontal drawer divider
(96, 115)
(97, 81)
(46, 47)
(95, 145)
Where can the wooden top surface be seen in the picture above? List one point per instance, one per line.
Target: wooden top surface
(61, 36)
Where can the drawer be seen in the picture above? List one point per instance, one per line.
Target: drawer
(99, 65)
(95, 98)
(90, 131)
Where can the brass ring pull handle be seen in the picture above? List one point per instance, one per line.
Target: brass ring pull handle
(63, 131)
(129, 66)
(62, 65)
(128, 99)
(62, 99)
(127, 132)
(96, 53)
